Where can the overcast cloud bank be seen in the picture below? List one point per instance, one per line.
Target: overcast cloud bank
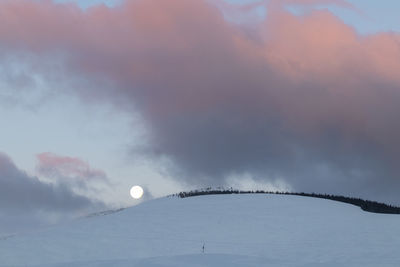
(301, 99)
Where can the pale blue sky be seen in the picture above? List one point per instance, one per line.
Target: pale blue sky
(374, 16)
(37, 117)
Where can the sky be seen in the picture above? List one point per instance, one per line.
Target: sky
(98, 96)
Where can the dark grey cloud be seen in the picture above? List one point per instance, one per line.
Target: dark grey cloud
(26, 201)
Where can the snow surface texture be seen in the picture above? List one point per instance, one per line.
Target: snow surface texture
(237, 230)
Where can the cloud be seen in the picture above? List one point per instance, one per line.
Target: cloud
(26, 200)
(55, 166)
(74, 173)
(303, 99)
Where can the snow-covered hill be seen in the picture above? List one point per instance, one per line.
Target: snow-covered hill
(236, 230)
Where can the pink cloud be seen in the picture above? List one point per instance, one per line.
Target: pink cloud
(54, 166)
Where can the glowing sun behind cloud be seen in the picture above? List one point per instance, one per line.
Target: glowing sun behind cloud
(136, 192)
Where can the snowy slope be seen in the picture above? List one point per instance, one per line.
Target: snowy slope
(237, 230)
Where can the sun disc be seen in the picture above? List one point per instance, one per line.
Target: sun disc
(136, 192)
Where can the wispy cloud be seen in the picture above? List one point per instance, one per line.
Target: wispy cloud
(74, 173)
(63, 167)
